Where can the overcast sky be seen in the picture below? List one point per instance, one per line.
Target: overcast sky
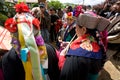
(86, 2)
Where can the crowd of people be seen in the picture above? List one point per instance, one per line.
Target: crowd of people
(83, 35)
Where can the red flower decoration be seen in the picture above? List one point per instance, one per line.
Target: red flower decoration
(95, 46)
(11, 25)
(36, 23)
(22, 7)
(69, 15)
(78, 10)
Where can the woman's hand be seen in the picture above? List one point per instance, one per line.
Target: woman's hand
(65, 48)
(64, 44)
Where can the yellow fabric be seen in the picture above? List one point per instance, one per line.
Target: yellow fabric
(43, 52)
(21, 38)
(28, 69)
(34, 52)
(27, 65)
(32, 65)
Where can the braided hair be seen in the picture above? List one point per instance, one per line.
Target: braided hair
(97, 36)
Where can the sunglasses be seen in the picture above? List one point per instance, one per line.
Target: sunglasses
(41, 6)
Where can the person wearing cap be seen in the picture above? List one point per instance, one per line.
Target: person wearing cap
(45, 22)
(114, 33)
(84, 57)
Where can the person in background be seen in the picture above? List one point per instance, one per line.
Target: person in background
(45, 22)
(90, 10)
(60, 13)
(67, 9)
(70, 29)
(83, 59)
(54, 18)
(112, 12)
(114, 33)
(35, 11)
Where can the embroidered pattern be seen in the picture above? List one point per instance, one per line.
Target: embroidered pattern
(86, 42)
(86, 45)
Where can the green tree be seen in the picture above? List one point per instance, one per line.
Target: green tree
(3, 16)
(2, 19)
(5, 9)
(55, 4)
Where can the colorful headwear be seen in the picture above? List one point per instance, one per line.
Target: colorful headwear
(11, 23)
(92, 22)
(69, 15)
(78, 10)
(22, 7)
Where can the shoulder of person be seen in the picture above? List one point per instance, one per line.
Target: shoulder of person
(46, 13)
(113, 24)
(114, 34)
(115, 29)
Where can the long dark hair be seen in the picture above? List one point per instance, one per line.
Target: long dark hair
(53, 69)
(96, 34)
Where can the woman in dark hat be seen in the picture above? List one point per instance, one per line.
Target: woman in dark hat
(84, 58)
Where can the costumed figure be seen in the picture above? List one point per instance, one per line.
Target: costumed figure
(29, 55)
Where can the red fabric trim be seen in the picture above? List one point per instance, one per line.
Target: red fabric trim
(61, 61)
(11, 25)
(36, 23)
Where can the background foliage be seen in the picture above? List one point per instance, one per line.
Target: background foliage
(55, 4)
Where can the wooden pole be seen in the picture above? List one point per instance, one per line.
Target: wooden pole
(83, 2)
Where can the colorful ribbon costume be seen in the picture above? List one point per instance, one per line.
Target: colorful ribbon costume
(28, 42)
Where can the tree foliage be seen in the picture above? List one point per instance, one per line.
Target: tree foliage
(5, 9)
(2, 19)
(55, 4)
